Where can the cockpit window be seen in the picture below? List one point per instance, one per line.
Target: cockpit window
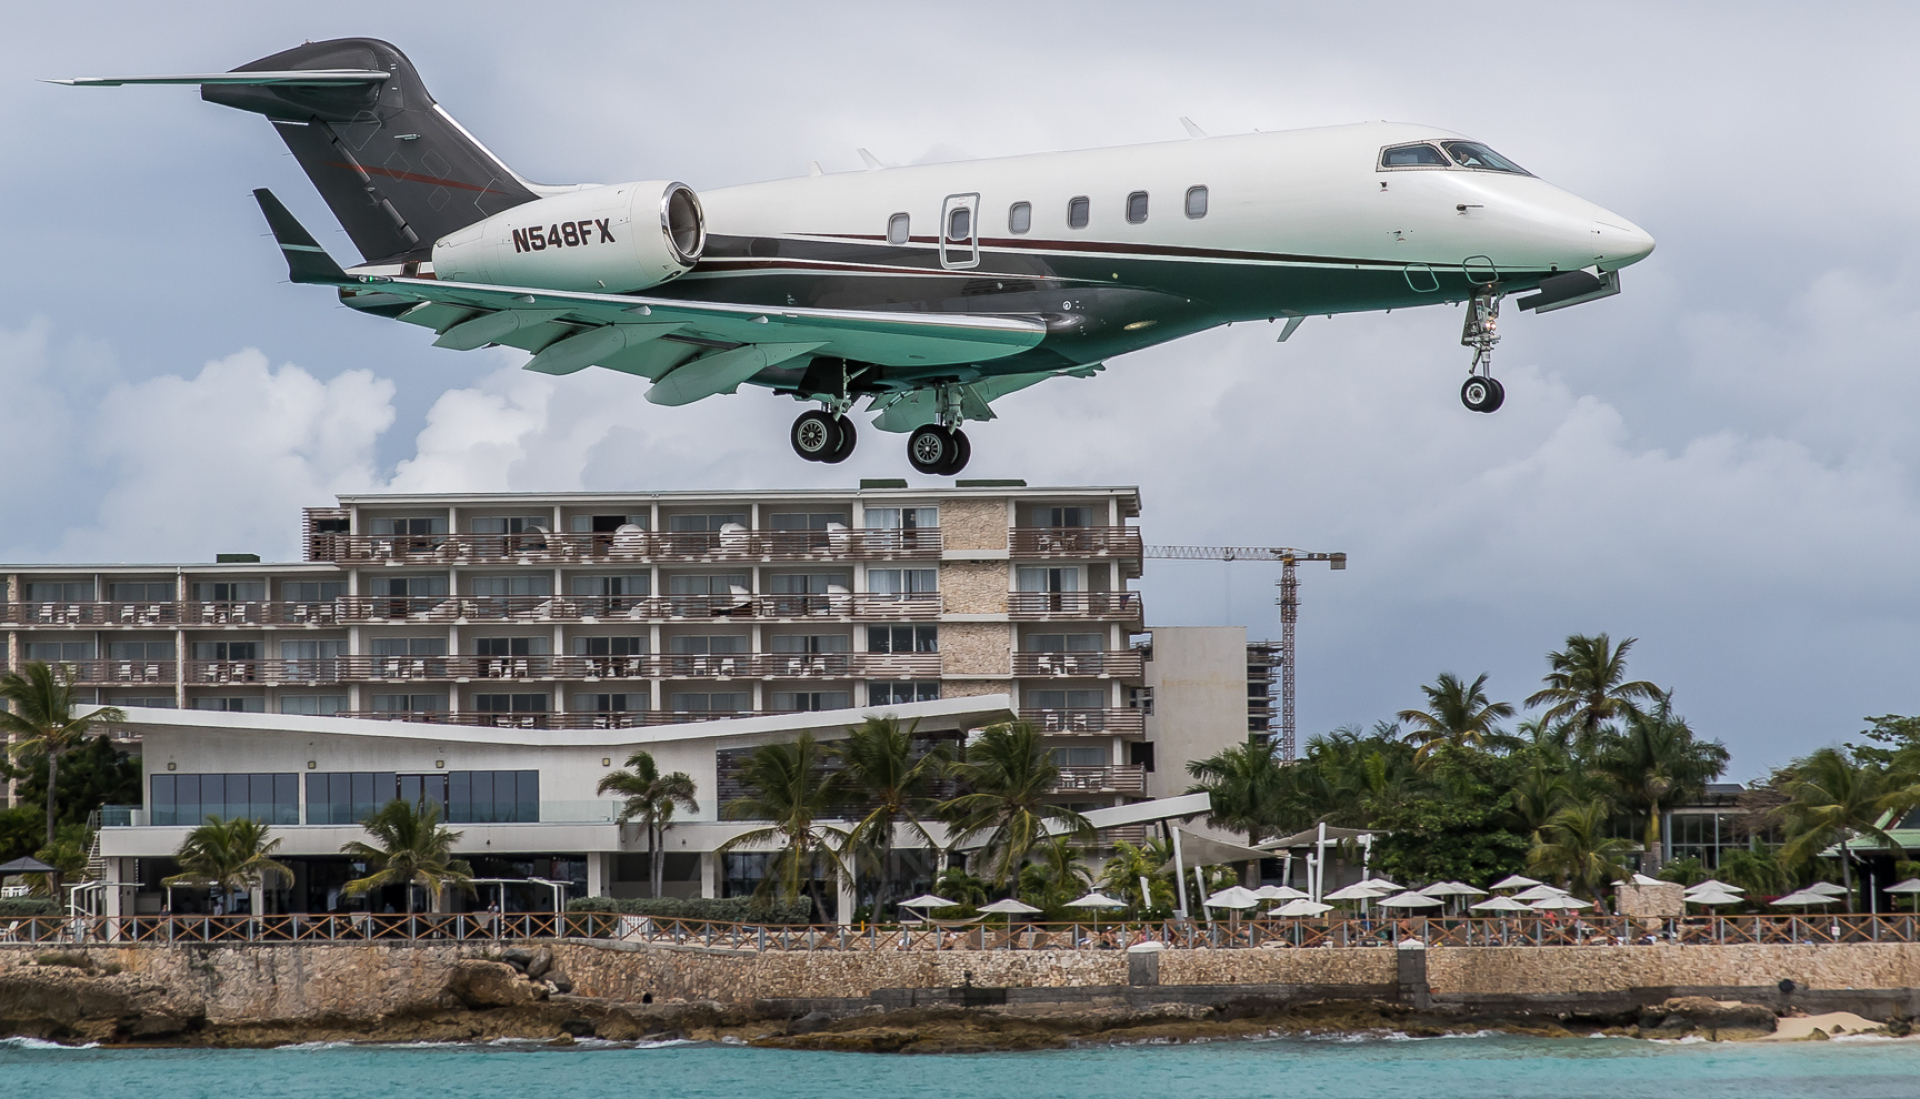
(1472, 154)
(1421, 155)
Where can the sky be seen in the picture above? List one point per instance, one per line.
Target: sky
(1719, 462)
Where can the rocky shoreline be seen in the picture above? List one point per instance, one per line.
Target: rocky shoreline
(518, 994)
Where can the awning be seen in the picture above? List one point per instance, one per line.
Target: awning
(1199, 850)
(1312, 836)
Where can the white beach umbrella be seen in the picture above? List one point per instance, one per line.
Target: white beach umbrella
(1803, 898)
(1096, 900)
(1499, 904)
(1514, 881)
(1911, 885)
(1561, 901)
(1410, 899)
(1826, 888)
(1716, 883)
(1713, 898)
(1236, 896)
(1010, 907)
(927, 900)
(1359, 891)
(1642, 879)
(1452, 889)
(1539, 893)
(1378, 882)
(1279, 893)
(1300, 906)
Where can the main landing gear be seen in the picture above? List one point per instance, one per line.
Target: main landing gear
(1480, 392)
(938, 450)
(821, 436)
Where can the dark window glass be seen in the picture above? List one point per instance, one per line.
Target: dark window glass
(1412, 156)
(527, 786)
(1020, 217)
(460, 796)
(1136, 207)
(1472, 154)
(897, 226)
(1077, 212)
(1196, 202)
(162, 804)
(960, 225)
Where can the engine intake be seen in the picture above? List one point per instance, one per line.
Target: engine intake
(618, 238)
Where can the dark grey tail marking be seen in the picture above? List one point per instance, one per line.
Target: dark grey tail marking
(306, 260)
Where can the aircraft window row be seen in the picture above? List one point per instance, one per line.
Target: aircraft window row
(1458, 154)
(1080, 207)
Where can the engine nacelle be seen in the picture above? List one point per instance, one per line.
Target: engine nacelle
(618, 238)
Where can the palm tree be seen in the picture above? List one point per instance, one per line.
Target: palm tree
(1245, 784)
(1544, 786)
(1121, 876)
(879, 770)
(1008, 775)
(411, 847)
(232, 856)
(1458, 715)
(1656, 763)
(1834, 798)
(651, 798)
(39, 720)
(787, 785)
(1587, 684)
(1575, 848)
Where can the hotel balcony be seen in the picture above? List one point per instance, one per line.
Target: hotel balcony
(847, 607)
(1030, 606)
(1077, 542)
(1103, 665)
(634, 546)
(1120, 779)
(108, 673)
(1066, 721)
(351, 669)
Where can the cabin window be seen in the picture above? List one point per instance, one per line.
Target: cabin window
(897, 227)
(1077, 210)
(960, 225)
(1420, 155)
(1472, 154)
(1196, 202)
(1020, 217)
(1136, 208)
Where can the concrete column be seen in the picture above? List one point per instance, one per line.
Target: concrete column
(709, 874)
(599, 872)
(112, 898)
(846, 902)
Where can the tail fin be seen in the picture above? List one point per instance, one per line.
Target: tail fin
(397, 170)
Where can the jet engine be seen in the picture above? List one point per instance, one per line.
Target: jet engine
(618, 238)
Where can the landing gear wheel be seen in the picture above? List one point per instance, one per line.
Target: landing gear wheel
(931, 449)
(1482, 394)
(815, 436)
(848, 437)
(963, 454)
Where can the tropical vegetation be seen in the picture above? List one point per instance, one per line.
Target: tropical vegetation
(410, 849)
(229, 856)
(651, 798)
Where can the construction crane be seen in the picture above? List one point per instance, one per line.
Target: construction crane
(1289, 561)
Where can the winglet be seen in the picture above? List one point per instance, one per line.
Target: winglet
(1193, 131)
(872, 162)
(306, 260)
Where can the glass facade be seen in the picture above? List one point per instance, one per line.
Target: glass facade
(191, 799)
(464, 797)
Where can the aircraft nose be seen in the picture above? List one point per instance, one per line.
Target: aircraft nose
(1620, 242)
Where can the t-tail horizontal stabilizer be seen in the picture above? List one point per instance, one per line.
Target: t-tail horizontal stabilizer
(306, 260)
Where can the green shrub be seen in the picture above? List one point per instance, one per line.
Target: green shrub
(723, 909)
(12, 908)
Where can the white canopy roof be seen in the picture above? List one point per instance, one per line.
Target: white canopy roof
(1096, 900)
(1562, 901)
(1010, 907)
(1452, 889)
(1499, 904)
(1358, 891)
(1300, 906)
(1278, 893)
(1514, 881)
(927, 900)
(1410, 899)
(1235, 896)
(1716, 883)
(1827, 888)
(1911, 885)
(1713, 897)
(1804, 898)
(1540, 893)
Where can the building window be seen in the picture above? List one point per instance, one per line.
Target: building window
(903, 639)
(410, 587)
(1032, 578)
(695, 524)
(1066, 642)
(629, 703)
(141, 591)
(810, 643)
(527, 584)
(606, 524)
(1020, 217)
(523, 710)
(707, 644)
(902, 581)
(233, 705)
(1081, 755)
(1066, 700)
(809, 583)
(1136, 208)
(408, 646)
(1077, 212)
(894, 694)
(463, 797)
(230, 591)
(510, 646)
(610, 646)
(1196, 202)
(409, 704)
(312, 591)
(313, 705)
(510, 524)
(803, 520)
(311, 660)
(405, 527)
(715, 583)
(809, 701)
(151, 702)
(140, 650)
(609, 587)
(55, 652)
(898, 227)
(60, 591)
(226, 650)
(191, 799)
(902, 518)
(697, 702)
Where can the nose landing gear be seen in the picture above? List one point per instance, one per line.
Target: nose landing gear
(1480, 392)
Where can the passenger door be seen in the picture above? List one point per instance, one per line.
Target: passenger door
(960, 232)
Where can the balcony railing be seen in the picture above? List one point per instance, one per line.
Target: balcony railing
(1074, 604)
(632, 545)
(1103, 721)
(344, 669)
(1075, 542)
(1125, 665)
(1123, 779)
(627, 719)
(109, 672)
(843, 606)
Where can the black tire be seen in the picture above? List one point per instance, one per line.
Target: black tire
(815, 435)
(962, 453)
(930, 448)
(848, 437)
(1499, 395)
(1481, 394)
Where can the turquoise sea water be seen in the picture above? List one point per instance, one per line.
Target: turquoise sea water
(1490, 1067)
